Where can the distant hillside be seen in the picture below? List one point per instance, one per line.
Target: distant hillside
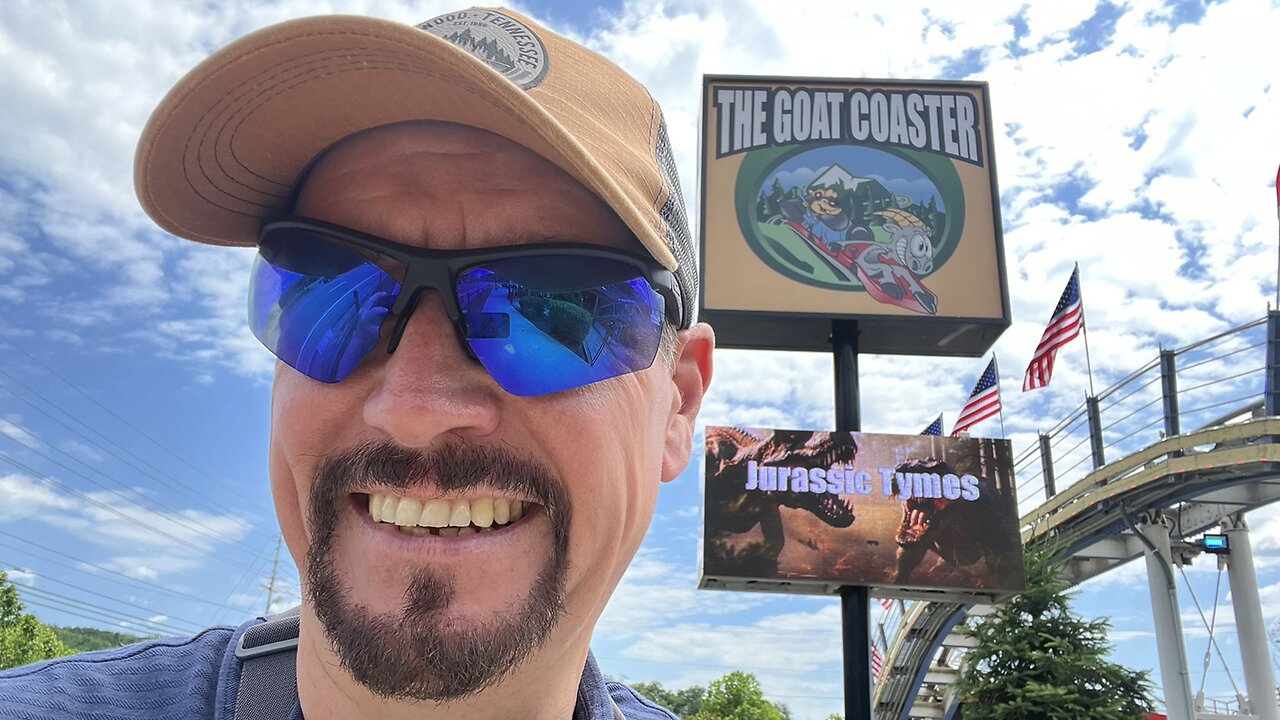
(82, 639)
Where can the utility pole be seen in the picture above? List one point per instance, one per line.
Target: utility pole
(271, 582)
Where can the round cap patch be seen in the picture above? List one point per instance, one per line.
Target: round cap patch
(506, 44)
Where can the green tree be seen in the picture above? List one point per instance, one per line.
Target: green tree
(23, 638)
(1036, 659)
(737, 696)
(684, 703)
(83, 639)
(772, 204)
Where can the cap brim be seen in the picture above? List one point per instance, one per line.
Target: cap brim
(222, 151)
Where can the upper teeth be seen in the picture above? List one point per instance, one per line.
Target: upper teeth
(408, 512)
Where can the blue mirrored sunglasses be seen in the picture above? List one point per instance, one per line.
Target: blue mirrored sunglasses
(540, 318)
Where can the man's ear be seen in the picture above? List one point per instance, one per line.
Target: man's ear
(691, 374)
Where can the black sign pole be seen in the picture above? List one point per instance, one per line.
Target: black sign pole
(854, 616)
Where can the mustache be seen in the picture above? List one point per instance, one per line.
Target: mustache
(413, 653)
(449, 468)
(455, 467)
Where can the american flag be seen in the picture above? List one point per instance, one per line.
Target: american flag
(935, 427)
(886, 603)
(984, 401)
(1064, 326)
(877, 661)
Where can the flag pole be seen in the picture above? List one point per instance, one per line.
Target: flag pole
(999, 394)
(1278, 224)
(1084, 327)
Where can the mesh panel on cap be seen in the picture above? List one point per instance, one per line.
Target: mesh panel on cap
(679, 239)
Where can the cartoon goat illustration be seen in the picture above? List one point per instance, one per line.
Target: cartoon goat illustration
(911, 241)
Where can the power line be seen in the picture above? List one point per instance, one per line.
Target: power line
(50, 596)
(87, 591)
(130, 578)
(239, 582)
(62, 486)
(4, 337)
(97, 618)
(151, 470)
(208, 531)
(137, 581)
(33, 603)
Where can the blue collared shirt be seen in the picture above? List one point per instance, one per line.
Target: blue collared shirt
(196, 679)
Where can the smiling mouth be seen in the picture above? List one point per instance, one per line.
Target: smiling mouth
(445, 518)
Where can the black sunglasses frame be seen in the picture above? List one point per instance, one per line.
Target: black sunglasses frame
(438, 270)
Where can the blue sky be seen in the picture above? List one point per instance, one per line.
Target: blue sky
(1137, 139)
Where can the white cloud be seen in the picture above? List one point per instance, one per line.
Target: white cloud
(174, 540)
(26, 497)
(791, 653)
(655, 591)
(12, 427)
(20, 576)
(1148, 161)
(82, 450)
(1119, 636)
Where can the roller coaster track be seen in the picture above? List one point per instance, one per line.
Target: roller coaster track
(1230, 464)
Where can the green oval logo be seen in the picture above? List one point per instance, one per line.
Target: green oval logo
(849, 217)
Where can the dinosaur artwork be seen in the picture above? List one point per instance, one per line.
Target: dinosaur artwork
(731, 508)
(779, 507)
(959, 531)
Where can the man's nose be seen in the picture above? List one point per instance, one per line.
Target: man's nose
(430, 386)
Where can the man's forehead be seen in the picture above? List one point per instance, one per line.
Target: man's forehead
(413, 145)
(447, 181)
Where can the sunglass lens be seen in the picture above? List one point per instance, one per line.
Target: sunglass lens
(553, 322)
(315, 304)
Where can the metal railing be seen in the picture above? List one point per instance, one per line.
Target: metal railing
(1213, 381)
(1224, 379)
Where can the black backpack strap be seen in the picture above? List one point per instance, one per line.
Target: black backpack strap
(268, 671)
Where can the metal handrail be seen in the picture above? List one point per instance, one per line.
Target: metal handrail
(1141, 463)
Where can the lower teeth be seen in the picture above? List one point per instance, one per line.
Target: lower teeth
(419, 531)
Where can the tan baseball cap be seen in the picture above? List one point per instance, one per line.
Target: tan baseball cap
(223, 150)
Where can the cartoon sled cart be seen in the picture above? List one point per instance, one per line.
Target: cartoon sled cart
(887, 271)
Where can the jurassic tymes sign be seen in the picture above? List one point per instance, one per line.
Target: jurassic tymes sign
(867, 200)
(809, 511)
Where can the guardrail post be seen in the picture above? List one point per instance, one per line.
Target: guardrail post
(1271, 400)
(1169, 388)
(1046, 464)
(1095, 431)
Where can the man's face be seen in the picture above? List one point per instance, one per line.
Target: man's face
(436, 617)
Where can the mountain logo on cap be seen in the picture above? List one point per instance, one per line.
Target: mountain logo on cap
(504, 43)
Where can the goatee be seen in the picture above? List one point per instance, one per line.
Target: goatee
(415, 653)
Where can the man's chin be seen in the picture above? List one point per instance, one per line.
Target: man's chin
(435, 642)
(434, 647)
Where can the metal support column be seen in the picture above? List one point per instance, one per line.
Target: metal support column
(1169, 388)
(844, 338)
(1095, 431)
(1271, 393)
(855, 615)
(1046, 464)
(1174, 677)
(1259, 680)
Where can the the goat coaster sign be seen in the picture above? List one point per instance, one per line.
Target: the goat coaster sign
(809, 511)
(867, 200)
